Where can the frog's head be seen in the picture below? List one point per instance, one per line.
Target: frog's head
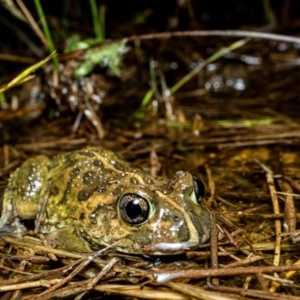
(156, 216)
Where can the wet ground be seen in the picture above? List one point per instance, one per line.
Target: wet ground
(235, 125)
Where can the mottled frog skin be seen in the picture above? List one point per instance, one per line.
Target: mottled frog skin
(91, 198)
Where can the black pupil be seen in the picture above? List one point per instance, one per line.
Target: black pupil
(133, 209)
(199, 189)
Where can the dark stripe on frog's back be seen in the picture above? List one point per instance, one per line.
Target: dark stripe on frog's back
(120, 164)
(61, 165)
(66, 168)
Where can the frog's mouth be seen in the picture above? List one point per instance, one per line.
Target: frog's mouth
(172, 248)
(197, 236)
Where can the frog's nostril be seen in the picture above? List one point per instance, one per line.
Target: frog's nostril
(176, 219)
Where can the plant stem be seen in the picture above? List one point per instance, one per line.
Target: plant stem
(46, 31)
(96, 22)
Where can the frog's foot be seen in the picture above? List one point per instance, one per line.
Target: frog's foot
(9, 222)
(68, 238)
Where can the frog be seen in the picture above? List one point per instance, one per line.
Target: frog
(91, 198)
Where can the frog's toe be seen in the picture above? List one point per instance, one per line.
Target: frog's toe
(15, 227)
(9, 221)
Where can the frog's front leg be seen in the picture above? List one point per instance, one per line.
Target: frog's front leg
(9, 221)
(68, 238)
(24, 194)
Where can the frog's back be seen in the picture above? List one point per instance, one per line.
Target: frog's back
(75, 177)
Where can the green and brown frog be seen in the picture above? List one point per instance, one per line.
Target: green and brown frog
(91, 198)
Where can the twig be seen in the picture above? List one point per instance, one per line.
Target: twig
(245, 261)
(227, 33)
(229, 236)
(214, 245)
(261, 279)
(288, 275)
(290, 218)
(33, 23)
(164, 276)
(100, 275)
(254, 294)
(27, 285)
(53, 144)
(231, 255)
(82, 264)
(293, 183)
(271, 184)
(211, 185)
(42, 209)
(197, 292)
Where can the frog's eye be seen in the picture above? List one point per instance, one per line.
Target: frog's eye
(134, 209)
(199, 189)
